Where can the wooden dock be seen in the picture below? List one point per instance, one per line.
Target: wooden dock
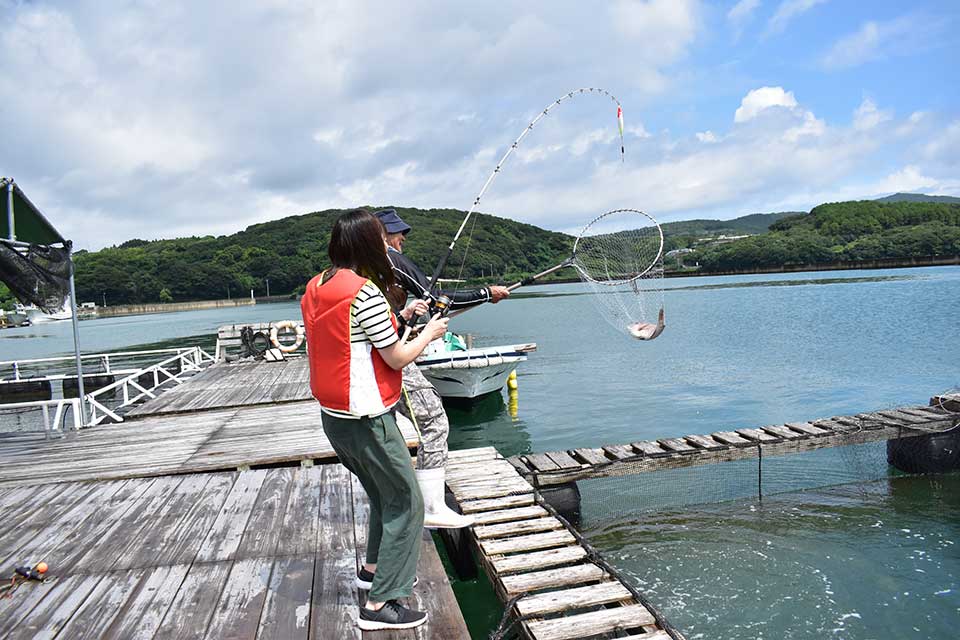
(537, 564)
(262, 554)
(560, 467)
(234, 438)
(234, 385)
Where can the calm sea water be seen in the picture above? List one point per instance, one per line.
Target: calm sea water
(857, 559)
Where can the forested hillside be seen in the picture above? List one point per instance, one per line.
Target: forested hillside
(290, 251)
(845, 231)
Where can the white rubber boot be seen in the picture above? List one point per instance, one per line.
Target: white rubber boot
(436, 514)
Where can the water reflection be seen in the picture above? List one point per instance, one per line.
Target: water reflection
(485, 422)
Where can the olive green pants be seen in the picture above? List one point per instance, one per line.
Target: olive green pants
(374, 450)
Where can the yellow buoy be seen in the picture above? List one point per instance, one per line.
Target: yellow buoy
(512, 380)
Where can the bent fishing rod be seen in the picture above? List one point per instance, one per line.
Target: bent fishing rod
(510, 150)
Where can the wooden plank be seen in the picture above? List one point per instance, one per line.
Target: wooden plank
(530, 542)
(335, 600)
(142, 612)
(552, 578)
(650, 448)
(496, 504)
(434, 595)
(237, 612)
(53, 612)
(704, 442)
(508, 515)
(516, 528)
(782, 432)
(575, 598)
(563, 460)
(227, 530)
(807, 428)
(193, 606)
(102, 605)
(538, 560)
(302, 515)
(620, 451)
(830, 424)
(757, 435)
(179, 543)
(335, 526)
(731, 438)
(264, 529)
(675, 444)
(591, 456)
(540, 462)
(286, 609)
(591, 624)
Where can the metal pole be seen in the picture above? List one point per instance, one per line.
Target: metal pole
(268, 287)
(10, 228)
(76, 338)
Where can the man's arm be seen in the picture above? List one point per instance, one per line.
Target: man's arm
(416, 282)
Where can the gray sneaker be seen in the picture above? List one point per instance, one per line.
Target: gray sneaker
(392, 615)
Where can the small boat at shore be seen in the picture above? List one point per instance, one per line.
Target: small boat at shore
(467, 373)
(37, 316)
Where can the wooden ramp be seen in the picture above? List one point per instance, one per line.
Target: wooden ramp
(527, 552)
(168, 444)
(263, 554)
(239, 384)
(559, 467)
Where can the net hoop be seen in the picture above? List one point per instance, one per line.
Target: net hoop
(653, 263)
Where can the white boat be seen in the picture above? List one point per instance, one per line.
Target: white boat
(15, 318)
(36, 316)
(471, 373)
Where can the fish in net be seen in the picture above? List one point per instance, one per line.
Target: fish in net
(619, 255)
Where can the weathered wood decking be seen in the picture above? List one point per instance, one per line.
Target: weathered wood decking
(528, 552)
(559, 467)
(171, 444)
(234, 385)
(268, 554)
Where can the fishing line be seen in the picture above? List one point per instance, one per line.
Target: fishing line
(509, 152)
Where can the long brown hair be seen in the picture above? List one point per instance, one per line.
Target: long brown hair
(357, 243)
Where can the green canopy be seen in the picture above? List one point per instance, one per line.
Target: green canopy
(29, 225)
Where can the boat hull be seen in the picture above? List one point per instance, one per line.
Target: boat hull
(472, 373)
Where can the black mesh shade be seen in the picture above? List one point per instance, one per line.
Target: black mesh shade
(36, 274)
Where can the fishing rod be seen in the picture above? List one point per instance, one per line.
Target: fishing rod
(516, 143)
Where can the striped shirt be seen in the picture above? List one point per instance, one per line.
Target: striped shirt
(370, 318)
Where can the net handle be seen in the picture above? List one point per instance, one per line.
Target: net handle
(652, 264)
(522, 283)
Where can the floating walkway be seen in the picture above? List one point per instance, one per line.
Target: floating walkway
(263, 554)
(560, 467)
(537, 563)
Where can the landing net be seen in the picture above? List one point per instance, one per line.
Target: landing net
(619, 255)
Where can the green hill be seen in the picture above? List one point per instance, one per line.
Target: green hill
(752, 224)
(844, 232)
(290, 251)
(918, 197)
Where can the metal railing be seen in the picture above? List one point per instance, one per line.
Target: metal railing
(62, 408)
(162, 373)
(106, 361)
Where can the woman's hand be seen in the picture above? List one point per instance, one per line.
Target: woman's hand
(436, 327)
(415, 309)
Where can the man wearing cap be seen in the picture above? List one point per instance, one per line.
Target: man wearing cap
(421, 403)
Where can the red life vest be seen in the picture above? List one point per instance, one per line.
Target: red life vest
(344, 377)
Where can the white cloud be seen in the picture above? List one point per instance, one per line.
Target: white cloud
(867, 115)
(706, 136)
(878, 40)
(763, 98)
(787, 11)
(909, 178)
(741, 13)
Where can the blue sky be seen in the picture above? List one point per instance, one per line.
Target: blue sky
(161, 119)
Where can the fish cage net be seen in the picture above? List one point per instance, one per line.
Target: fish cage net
(615, 499)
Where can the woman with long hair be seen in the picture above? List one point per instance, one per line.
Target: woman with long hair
(356, 358)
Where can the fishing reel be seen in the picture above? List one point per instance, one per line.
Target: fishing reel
(439, 304)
